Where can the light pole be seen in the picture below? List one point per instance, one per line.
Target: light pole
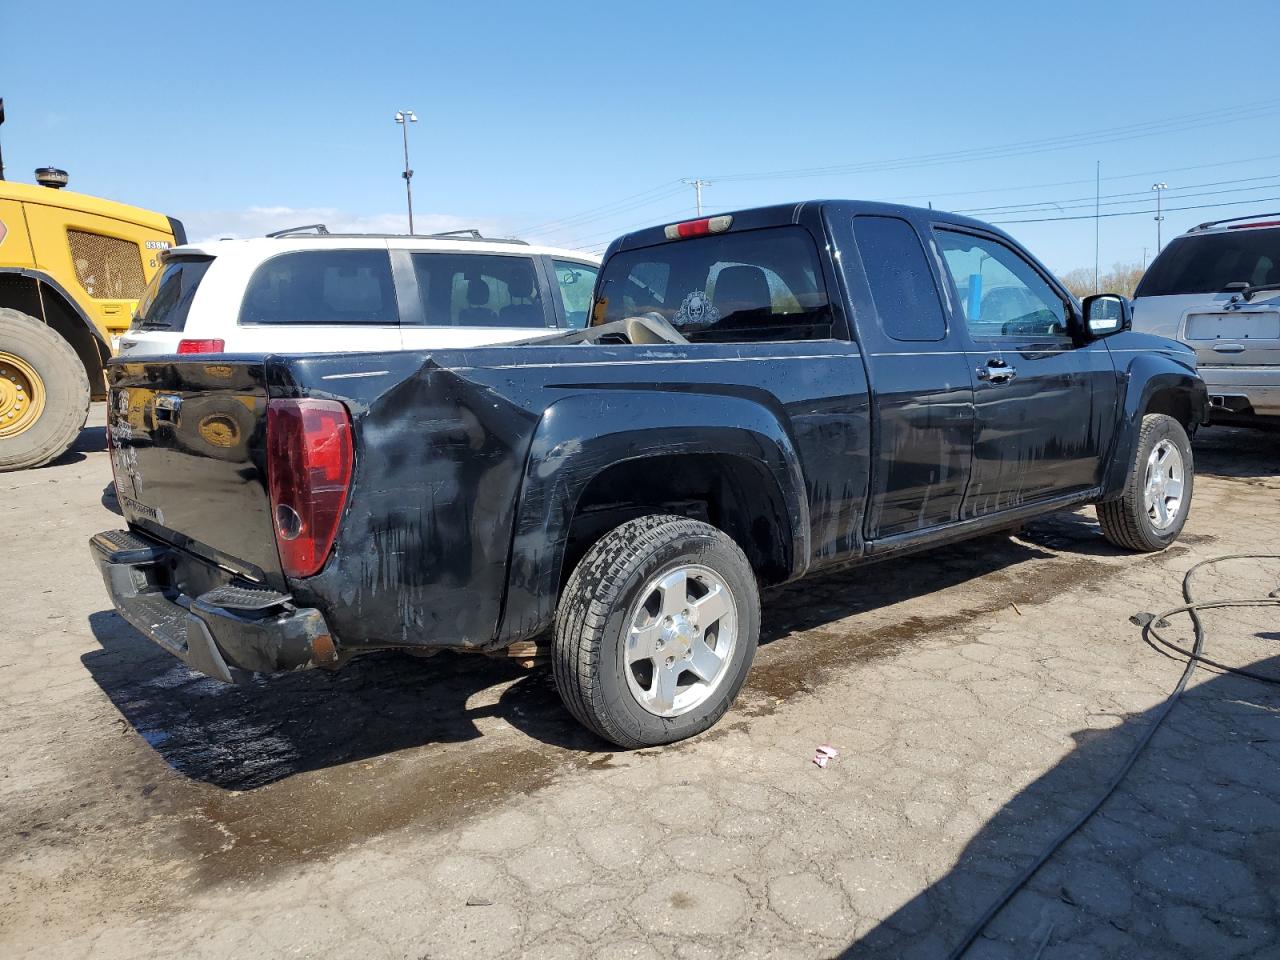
(404, 118)
(1159, 188)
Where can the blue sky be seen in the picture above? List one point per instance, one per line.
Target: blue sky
(241, 117)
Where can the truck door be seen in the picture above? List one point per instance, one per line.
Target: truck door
(921, 391)
(1044, 401)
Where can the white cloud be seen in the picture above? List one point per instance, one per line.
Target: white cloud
(256, 221)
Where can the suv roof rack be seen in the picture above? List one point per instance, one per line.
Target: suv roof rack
(320, 230)
(1214, 223)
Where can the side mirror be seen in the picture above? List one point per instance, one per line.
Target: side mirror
(1106, 313)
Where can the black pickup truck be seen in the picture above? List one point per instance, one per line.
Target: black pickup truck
(757, 397)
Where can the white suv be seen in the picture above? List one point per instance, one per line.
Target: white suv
(1217, 289)
(308, 290)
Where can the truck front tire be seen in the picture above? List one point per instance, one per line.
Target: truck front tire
(45, 395)
(655, 631)
(1153, 509)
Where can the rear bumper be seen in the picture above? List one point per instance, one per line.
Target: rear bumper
(1242, 391)
(228, 632)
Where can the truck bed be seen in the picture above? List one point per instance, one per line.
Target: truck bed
(468, 465)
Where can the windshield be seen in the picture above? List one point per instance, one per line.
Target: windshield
(168, 297)
(737, 287)
(1209, 262)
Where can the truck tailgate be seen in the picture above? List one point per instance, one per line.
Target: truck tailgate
(189, 454)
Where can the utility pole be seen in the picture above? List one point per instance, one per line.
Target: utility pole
(404, 118)
(1097, 204)
(1144, 259)
(1, 124)
(1159, 188)
(697, 189)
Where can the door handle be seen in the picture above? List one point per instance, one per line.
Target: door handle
(1228, 348)
(996, 371)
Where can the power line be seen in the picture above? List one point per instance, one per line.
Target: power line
(1150, 128)
(1163, 171)
(1142, 213)
(1180, 195)
(670, 188)
(683, 211)
(1029, 206)
(1019, 148)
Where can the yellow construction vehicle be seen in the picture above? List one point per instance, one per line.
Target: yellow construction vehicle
(72, 268)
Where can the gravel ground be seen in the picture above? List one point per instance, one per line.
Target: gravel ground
(979, 695)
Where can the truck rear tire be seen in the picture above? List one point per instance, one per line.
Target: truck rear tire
(44, 393)
(655, 631)
(1153, 509)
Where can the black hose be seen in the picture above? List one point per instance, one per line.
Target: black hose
(1194, 655)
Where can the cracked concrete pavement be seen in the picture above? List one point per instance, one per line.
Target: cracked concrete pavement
(406, 808)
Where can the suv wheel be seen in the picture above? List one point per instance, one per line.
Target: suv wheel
(655, 631)
(1157, 494)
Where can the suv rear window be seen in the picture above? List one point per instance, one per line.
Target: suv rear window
(168, 297)
(322, 286)
(757, 285)
(1208, 262)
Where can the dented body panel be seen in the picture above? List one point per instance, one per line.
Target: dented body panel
(481, 475)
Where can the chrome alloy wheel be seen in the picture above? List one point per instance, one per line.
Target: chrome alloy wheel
(1162, 488)
(680, 639)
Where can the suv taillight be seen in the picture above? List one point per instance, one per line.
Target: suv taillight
(201, 346)
(309, 461)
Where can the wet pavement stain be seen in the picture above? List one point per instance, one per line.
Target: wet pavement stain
(311, 816)
(984, 576)
(295, 768)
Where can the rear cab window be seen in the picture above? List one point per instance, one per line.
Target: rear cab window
(479, 290)
(753, 286)
(1213, 263)
(167, 299)
(322, 287)
(902, 285)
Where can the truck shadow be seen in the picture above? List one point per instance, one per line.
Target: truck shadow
(239, 737)
(1238, 452)
(110, 500)
(242, 737)
(1181, 860)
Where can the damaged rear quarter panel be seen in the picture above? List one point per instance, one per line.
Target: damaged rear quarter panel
(421, 552)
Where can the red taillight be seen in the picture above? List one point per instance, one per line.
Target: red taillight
(201, 346)
(309, 460)
(1260, 223)
(698, 228)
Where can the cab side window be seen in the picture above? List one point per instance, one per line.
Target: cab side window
(901, 282)
(1000, 294)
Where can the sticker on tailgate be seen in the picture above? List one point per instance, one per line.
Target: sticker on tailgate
(137, 509)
